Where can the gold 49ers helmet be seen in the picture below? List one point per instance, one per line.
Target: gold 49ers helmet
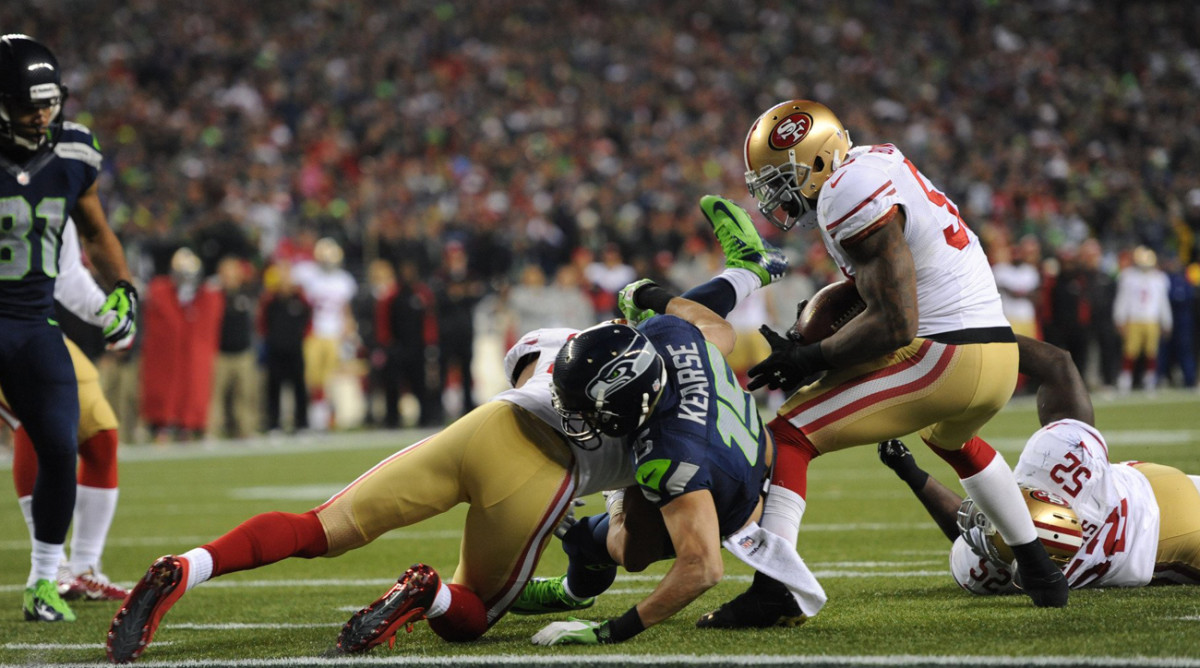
(790, 151)
(1057, 528)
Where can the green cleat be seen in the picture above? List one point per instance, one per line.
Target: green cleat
(43, 604)
(744, 247)
(633, 314)
(546, 595)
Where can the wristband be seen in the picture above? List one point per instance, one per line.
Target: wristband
(622, 628)
(653, 297)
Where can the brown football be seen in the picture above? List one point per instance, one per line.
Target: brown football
(828, 311)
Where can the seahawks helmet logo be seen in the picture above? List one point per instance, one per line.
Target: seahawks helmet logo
(620, 372)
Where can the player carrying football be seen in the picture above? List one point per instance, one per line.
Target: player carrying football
(48, 173)
(932, 352)
(509, 459)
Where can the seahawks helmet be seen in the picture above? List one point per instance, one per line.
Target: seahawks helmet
(790, 152)
(1057, 527)
(29, 79)
(606, 380)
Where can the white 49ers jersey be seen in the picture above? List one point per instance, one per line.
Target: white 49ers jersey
(955, 287)
(608, 466)
(1114, 503)
(329, 292)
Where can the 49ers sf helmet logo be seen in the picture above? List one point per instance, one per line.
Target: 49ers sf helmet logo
(791, 130)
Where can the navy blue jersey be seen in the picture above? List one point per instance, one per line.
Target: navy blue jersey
(705, 432)
(36, 197)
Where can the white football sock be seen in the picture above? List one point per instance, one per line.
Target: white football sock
(743, 281)
(94, 510)
(995, 491)
(441, 602)
(782, 512)
(43, 562)
(200, 566)
(26, 503)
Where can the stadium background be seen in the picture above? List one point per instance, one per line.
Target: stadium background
(542, 134)
(538, 135)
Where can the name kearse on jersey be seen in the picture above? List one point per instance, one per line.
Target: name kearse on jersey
(693, 382)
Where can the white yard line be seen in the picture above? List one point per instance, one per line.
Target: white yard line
(546, 657)
(184, 542)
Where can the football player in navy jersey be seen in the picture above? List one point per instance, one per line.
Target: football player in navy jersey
(48, 171)
(700, 451)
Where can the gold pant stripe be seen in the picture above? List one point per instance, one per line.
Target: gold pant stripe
(514, 470)
(947, 392)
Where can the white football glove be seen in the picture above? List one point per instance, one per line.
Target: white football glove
(573, 632)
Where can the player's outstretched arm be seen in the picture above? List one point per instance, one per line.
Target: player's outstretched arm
(940, 501)
(692, 523)
(645, 295)
(1062, 394)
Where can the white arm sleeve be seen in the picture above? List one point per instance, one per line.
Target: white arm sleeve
(75, 288)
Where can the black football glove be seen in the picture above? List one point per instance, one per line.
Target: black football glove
(790, 364)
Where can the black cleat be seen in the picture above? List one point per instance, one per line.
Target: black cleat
(766, 603)
(134, 624)
(403, 604)
(1047, 591)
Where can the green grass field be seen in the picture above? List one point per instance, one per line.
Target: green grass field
(882, 562)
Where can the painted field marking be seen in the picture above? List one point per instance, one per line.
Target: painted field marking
(617, 660)
(456, 534)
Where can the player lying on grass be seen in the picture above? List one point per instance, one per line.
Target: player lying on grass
(509, 459)
(1106, 524)
(96, 492)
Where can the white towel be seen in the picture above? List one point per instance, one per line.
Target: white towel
(771, 555)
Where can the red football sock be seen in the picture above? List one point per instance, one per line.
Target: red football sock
(98, 460)
(971, 458)
(466, 619)
(24, 463)
(793, 452)
(268, 538)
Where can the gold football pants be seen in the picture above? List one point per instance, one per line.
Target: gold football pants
(946, 392)
(1178, 557)
(514, 470)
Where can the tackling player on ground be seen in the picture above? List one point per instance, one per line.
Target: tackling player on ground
(48, 170)
(932, 352)
(1107, 524)
(509, 459)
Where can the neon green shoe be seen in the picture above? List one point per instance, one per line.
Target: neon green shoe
(545, 595)
(744, 247)
(633, 314)
(43, 604)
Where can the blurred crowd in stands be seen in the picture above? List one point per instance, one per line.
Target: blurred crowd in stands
(485, 168)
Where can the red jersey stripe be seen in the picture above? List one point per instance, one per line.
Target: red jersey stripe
(860, 205)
